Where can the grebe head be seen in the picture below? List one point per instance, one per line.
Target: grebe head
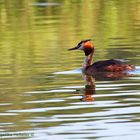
(86, 46)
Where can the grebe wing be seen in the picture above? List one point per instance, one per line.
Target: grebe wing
(108, 62)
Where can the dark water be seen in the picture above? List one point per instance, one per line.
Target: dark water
(42, 91)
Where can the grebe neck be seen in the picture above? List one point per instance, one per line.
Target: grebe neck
(88, 60)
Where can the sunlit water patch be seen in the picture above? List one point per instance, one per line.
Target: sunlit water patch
(45, 4)
(76, 71)
(136, 71)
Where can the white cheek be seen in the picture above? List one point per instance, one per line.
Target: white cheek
(81, 47)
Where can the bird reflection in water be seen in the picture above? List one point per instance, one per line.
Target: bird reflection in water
(90, 88)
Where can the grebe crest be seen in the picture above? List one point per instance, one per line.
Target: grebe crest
(85, 45)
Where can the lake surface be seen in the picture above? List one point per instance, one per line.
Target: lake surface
(42, 91)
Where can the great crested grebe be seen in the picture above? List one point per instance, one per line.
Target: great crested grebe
(112, 65)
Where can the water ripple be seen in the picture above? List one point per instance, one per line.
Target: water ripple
(46, 4)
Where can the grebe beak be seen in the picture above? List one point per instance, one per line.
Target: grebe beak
(75, 48)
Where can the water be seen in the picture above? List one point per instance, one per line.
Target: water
(42, 91)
